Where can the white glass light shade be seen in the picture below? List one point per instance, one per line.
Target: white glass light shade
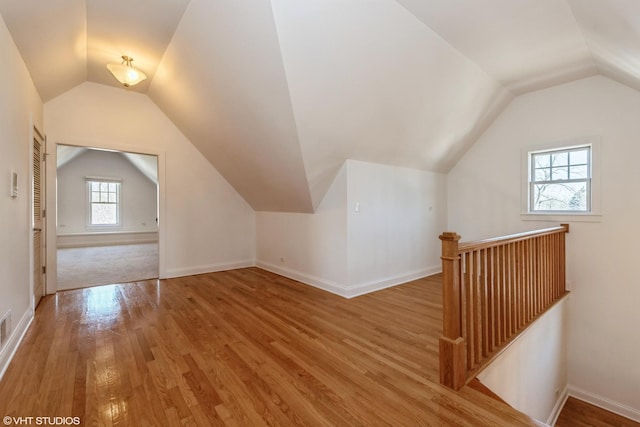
(125, 73)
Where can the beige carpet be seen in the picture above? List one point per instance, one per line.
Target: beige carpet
(82, 267)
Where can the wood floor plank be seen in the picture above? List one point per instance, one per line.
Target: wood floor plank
(576, 413)
(238, 348)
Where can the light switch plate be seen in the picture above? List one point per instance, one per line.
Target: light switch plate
(14, 184)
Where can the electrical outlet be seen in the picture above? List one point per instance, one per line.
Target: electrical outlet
(282, 259)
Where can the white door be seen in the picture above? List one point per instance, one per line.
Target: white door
(39, 235)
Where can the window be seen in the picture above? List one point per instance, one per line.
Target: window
(560, 180)
(104, 202)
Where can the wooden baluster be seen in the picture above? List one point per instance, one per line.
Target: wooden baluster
(542, 279)
(525, 282)
(531, 274)
(468, 290)
(549, 274)
(491, 324)
(532, 279)
(537, 276)
(555, 264)
(452, 345)
(507, 290)
(544, 283)
(496, 296)
(545, 269)
(484, 295)
(503, 295)
(560, 256)
(513, 298)
(514, 287)
(548, 281)
(477, 318)
(563, 260)
(519, 295)
(523, 289)
(507, 293)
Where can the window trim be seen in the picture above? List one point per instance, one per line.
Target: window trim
(592, 215)
(88, 204)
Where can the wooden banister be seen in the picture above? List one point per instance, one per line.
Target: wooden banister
(493, 289)
(451, 343)
(482, 244)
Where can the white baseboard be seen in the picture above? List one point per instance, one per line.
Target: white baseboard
(316, 282)
(366, 288)
(17, 334)
(345, 290)
(605, 403)
(557, 408)
(209, 268)
(83, 240)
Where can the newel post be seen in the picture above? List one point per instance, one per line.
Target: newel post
(452, 345)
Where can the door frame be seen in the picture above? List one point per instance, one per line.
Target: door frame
(51, 218)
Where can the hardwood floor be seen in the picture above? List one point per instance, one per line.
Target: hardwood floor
(241, 348)
(576, 413)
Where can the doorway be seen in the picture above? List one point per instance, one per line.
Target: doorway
(107, 216)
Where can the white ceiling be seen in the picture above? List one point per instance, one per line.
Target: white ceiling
(66, 42)
(524, 45)
(146, 164)
(277, 94)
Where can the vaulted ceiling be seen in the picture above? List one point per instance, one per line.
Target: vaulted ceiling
(277, 94)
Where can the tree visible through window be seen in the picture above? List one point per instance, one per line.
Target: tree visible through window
(104, 198)
(560, 180)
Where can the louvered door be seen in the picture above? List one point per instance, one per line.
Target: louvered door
(38, 222)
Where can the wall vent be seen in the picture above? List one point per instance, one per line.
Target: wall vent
(5, 328)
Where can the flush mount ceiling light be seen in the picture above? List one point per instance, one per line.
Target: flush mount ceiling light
(125, 73)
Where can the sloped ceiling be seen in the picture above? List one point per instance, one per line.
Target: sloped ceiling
(223, 84)
(67, 153)
(524, 45)
(146, 164)
(277, 94)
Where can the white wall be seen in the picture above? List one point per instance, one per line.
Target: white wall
(138, 194)
(207, 225)
(394, 236)
(391, 240)
(531, 380)
(20, 106)
(311, 248)
(484, 200)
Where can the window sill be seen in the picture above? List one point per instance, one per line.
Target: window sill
(102, 228)
(559, 217)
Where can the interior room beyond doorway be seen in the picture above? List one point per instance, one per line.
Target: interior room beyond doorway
(107, 217)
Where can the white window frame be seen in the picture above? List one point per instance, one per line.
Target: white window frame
(593, 214)
(103, 227)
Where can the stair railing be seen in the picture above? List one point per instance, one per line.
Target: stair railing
(492, 290)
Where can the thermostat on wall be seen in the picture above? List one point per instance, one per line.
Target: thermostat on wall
(14, 184)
